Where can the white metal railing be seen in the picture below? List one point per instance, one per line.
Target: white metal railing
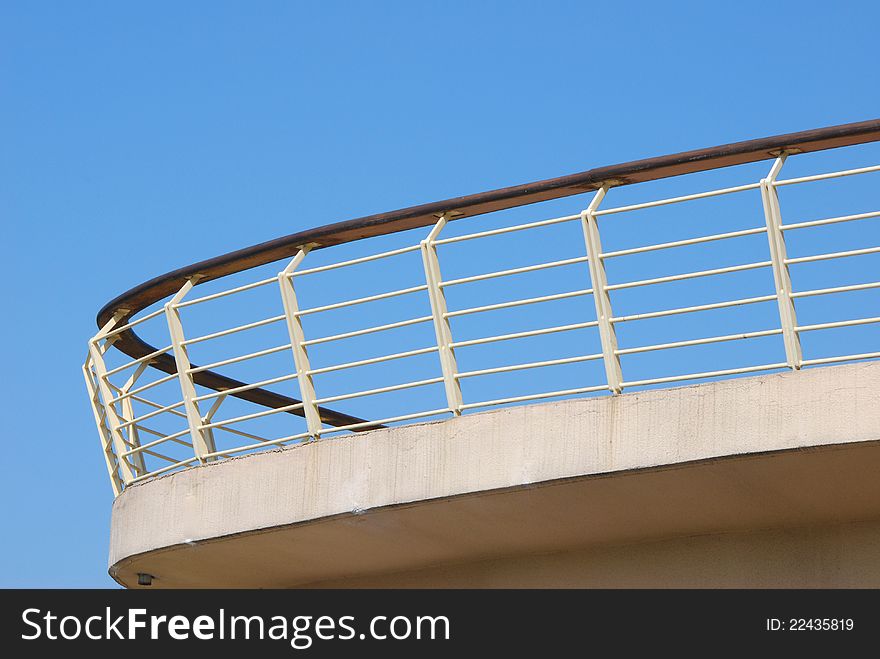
(134, 451)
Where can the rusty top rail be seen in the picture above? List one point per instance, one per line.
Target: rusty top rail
(650, 169)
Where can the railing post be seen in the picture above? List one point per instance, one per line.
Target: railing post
(442, 327)
(202, 442)
(297, 344)
(781, 276)
(100, 422)
(607, 333)
(111, 418)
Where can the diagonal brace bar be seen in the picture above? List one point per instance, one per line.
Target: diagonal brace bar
(781, 274)
(203, 443)
(442, 326)
(607, 333)
(297, 344)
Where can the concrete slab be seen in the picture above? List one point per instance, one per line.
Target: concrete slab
(776, 451)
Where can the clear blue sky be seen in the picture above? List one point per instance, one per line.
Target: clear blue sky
(228, 123)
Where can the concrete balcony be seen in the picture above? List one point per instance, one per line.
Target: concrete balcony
(754, 482)
(323, 420)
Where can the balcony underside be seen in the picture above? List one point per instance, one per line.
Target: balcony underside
(793, 453)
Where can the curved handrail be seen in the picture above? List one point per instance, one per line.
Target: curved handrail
(650, 169)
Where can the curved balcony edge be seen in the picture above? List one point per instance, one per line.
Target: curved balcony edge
(788, 450)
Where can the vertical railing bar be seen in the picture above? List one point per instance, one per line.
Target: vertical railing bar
(296, 332)
(111, 418)
(601, 296)
(103, 431)
(781, 273)
(442, 326)
(202, 442)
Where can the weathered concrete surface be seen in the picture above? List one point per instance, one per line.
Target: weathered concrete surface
(543, 478)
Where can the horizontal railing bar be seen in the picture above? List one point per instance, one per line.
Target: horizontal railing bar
(549, 394)
(518, 227)
(706, 374)
(146, 358)
(233, 360)
(155, 454)
(700, 307)
(838, 323)
(245, 387)
(513, 271)
(518, 303)
(380, 390)
(155, 442)
(171, 438)
(149, 402)
(842, 358)
(690, 275)
(676, 200)
(132, 467)
(519, 367)
(231, 291)
(152, 431)
(161, 456)
(683, 243)
(393, 419)
(523, 335)
(114, 387)
(830, 220)
(134, 392)
(374, 360)
(832, 255)
(820, 177)
(242, 433)
(368, 330)
(135, 323)
(837, 289)
(141, 449)
(233, 330)
(163, 470)
(230, 430)
(698, 342)
(174, 439)
(248, 417)
(150, 415)
(268, 442)
(362, 259)
(362, 300)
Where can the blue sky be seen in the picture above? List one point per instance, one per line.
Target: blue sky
(138, 137)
